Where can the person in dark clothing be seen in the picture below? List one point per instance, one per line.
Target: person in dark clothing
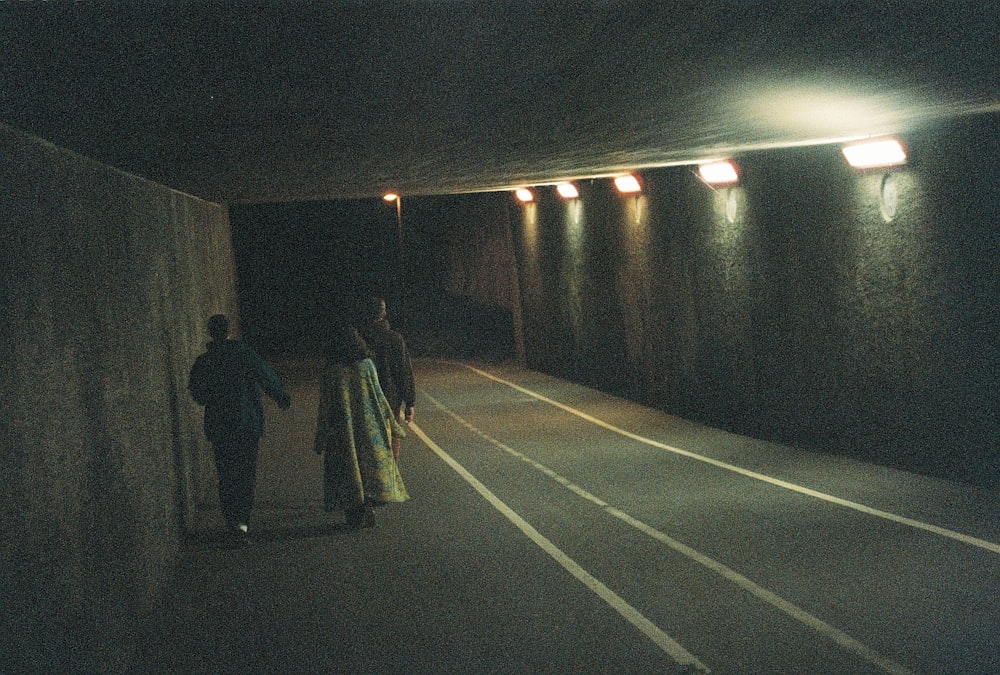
(392, 360)
(227, 380)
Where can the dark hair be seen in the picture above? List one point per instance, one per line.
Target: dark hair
(347, 346)
(374, 309)
(218, 327)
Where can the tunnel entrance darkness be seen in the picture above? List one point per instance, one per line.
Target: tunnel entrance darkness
(303, 266)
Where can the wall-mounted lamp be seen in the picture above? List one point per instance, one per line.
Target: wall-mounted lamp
(875, 154)
(524, 195)
(393, 198)
(628, 184)
(719, 173)
(567, 191)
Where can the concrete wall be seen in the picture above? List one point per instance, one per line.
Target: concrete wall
(105, 285)
(807, 318)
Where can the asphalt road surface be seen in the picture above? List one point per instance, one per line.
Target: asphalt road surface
(556, 529)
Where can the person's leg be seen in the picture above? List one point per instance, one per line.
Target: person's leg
(362, 515)
(225, 467)
(245, 481)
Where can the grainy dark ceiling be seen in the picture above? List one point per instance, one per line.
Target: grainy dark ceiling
(275, 101)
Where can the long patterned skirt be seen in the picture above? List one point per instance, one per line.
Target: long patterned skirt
(363, 476)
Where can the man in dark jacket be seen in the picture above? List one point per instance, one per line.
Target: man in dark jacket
(227, 380)
(392, 360)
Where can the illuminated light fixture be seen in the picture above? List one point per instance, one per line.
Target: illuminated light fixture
(390, 196)
(628, 184)
(567, 191)
(719, 173)
(874, 154)
(524, 195)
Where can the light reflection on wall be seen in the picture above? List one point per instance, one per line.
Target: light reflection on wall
(635, 277)
(531, 265)
(732, 263)
(529, 222)
(636, 208)
(895, 271)
(573, 266)
(727, 206)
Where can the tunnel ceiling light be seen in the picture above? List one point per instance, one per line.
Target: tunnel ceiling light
(524, 195)
(567, 191)
(719, 173)
(628, 184)
(873, 154)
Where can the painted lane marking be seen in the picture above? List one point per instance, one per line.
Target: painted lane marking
(834, 634)
(667, 644)
(902, 520)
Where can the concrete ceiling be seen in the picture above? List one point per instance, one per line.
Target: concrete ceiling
(277, 101)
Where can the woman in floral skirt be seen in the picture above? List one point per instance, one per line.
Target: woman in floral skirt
(356, 433)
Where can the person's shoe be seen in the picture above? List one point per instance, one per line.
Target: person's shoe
(241, 534)
(360, 518)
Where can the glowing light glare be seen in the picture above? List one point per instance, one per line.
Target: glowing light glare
(809, 110)
(718, 173)
(390, 196)
(524, 195)
(567, 191)
(884, 152)
(628, 184)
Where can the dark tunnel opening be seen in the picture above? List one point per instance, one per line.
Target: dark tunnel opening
(302, 267)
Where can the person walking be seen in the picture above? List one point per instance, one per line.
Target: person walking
(356, 432)
(227, 379)
(392, 359)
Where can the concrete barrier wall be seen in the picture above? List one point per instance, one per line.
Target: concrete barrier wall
(106, 282)
(788, 307)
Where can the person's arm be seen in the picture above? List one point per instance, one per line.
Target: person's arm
(269, 380)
